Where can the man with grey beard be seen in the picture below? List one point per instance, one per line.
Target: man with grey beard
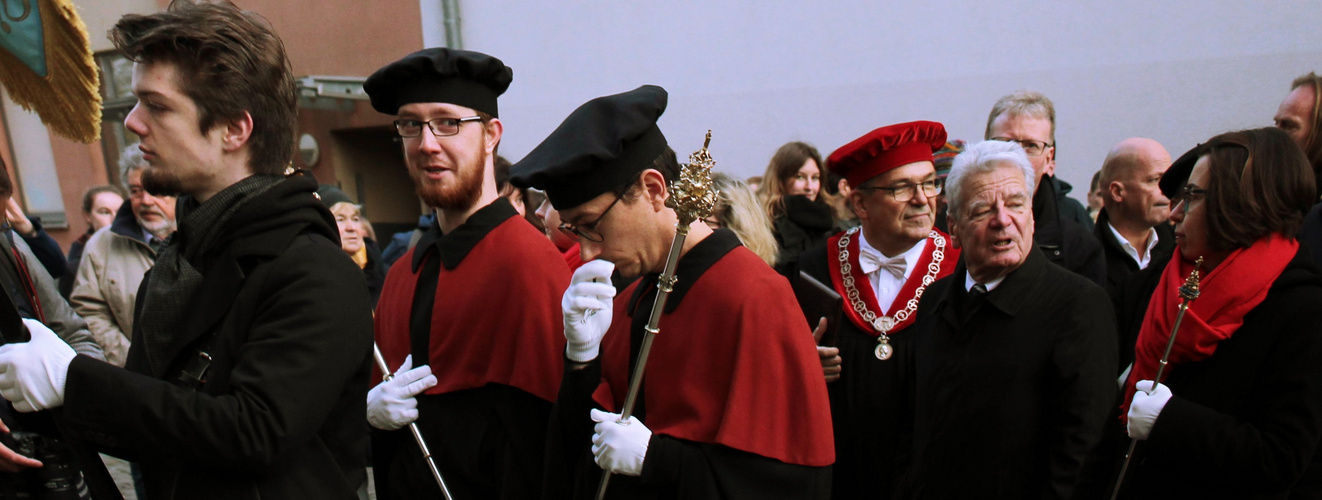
(116, 258)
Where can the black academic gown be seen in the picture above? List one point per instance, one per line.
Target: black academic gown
(870, 403)
(487, 441)
(1010, 395)
(677, 468)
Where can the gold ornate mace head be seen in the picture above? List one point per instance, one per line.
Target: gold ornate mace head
(692, 196)
(1189, 290)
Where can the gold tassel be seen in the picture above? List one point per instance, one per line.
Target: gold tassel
(68, 99)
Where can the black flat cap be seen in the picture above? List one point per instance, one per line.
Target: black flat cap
(462, 77)
(331, 195)
(1178, 174)
(599, 147)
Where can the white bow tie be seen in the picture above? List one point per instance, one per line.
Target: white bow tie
(869, 263)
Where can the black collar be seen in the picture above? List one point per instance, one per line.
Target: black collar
(1046, 215)
(691, 266)
(1012, 294)
(455, 246)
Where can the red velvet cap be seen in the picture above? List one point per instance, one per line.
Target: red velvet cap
(886, 148)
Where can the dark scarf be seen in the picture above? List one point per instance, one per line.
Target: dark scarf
(180, 266)
(814, 216)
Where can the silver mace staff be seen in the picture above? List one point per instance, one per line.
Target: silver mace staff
(1188, 292)
(692, 198)
(413, 427)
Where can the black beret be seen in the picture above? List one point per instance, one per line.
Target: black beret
(331, 195)
(599, 147)
(462, 77)
(1178, 174)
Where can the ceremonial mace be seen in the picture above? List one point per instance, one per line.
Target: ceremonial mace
(413, 426)
(692, 198)
(1188, 292)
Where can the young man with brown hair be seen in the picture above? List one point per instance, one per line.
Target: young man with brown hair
(247, 375)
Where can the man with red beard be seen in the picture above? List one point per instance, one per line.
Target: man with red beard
(486, 373)
(882, 268)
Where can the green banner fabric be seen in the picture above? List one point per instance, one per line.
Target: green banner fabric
(20, 33)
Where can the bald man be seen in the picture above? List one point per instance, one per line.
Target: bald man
(1132, 224)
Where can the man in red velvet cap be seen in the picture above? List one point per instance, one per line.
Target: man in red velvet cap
(881, 268)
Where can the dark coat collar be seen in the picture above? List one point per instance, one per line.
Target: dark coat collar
(126, 225)
(455, 246)
(1046, 215)
(1012, 295)
(691, 266)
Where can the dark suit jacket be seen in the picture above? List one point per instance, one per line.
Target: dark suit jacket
(1245, 422)
(1011, 400)
(1119, 265)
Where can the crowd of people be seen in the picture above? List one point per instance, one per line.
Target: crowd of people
(232, 328)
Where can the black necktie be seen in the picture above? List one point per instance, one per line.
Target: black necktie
(977, 295)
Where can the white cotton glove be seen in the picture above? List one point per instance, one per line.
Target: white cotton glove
(587, 307)
(619, 447)
(32, 373)
(393, 404)
(1144, 409)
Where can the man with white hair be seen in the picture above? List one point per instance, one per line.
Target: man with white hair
(1014, 363)
(118, 256)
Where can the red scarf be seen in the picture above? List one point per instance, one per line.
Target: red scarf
(1230, 291)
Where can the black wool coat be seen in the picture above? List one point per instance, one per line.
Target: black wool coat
(1245, 422)
(1010, 395)
(1063, 240)
(283, 411)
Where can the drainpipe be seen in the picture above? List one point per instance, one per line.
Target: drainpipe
(453, 38)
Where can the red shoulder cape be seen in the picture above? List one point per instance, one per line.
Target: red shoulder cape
(496, 318)
(863, 291)
(732, 365)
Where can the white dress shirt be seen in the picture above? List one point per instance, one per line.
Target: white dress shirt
(1133, 252)
(883, 272)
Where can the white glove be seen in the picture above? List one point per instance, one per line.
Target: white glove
(392, 404)
(32, 373)
(1144, 409)
(587, 307)
(619, 447)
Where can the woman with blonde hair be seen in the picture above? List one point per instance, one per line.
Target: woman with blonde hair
(737, 209)
(790, 194)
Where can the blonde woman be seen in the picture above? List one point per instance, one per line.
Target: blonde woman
(737, 209)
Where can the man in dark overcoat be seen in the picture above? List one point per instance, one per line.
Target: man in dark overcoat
(1015, 356)
(247, 375)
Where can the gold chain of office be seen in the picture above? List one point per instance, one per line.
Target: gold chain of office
(883, 324)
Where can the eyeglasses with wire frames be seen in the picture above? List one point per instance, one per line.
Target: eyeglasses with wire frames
(905, 192)
(589, 231)
(1031, 147)
(1186, 196)
(440, 127)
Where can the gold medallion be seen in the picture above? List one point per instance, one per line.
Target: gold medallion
(884, 349)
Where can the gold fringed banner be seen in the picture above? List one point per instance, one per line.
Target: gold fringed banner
(68, 98)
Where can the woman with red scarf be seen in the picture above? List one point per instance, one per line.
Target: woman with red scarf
(1238, 413)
